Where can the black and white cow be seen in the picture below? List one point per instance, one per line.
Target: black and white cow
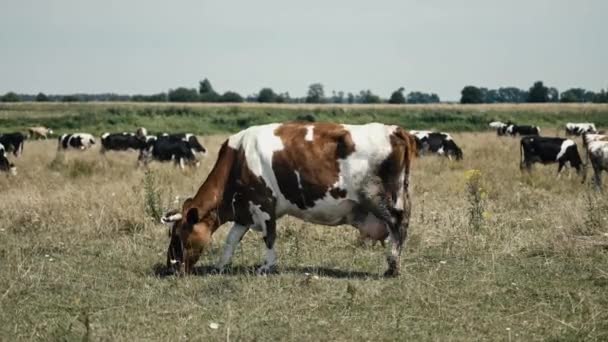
(500, 127)
(122, 142)
(597, 152)
(547, 150)
(514, 130)
(77, 141)
(164, 149)
(13, 142)
(189, 138)
(580, 128)
(5, 164)
(438, 143)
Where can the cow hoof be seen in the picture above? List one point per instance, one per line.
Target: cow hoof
(391, 273)
(266, 270)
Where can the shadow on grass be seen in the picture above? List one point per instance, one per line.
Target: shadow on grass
(162, 271)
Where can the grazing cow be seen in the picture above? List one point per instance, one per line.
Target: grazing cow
(322, 173)
(580, 128)
(13, 142)
(189, 138)
(514, 130)
(122, 142)
(165, 149)
(439, 143)
(78, 141)
(39, 132)
(5, 164)
(596, 146)
(548, 150)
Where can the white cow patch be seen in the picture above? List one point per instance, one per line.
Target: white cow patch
(105, 135)
(309, 133)
(259, 217)
(567, 143)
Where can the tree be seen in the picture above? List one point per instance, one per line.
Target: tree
(267, 95)
(573, 95)
(231, 96)
(553, 95)
(41, 97)
(205, 87)
(420, 97)
(397, 96)
(70, 98)
(315, 93)
(10, 97)
(511, 95)
(471, 94)
(366, 96)
(350, 98)
(182, 94)
(538, 93)
(337, 97)
(206, 92)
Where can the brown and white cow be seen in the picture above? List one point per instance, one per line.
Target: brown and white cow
(322, 173)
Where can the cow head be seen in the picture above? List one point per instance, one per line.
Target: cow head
(190, 234)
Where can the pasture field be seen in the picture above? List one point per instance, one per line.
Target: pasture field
(493, 255)
(203, 118)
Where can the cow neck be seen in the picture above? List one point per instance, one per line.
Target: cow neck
(210, 196)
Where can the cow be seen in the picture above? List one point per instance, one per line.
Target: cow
(547, 150)
(77, 141)
(166, 149)
(500, 127)
(523, 130)
(437, 142)
(189, 138)
(122, 142)
(580, 128)
(39, 132)
(323, 173)
(5, 164)
(596, 146)
(13, 142)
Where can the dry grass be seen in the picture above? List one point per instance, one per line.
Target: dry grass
(78, 257)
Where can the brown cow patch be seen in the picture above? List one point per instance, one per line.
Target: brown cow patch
(307, 170)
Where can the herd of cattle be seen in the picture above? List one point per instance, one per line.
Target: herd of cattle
(180, 148)
(183, 148)
(323, 173)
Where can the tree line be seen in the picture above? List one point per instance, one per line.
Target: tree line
(316, 94)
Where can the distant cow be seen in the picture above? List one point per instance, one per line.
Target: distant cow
(5, 165)
(514, 130)
(39, 132)
(548, 150)
(189, 138)
(13, 142)
(500, 127)
(597, 152)
(122, 142)
(437, 142)
(580, 128)
(164, 149)
(77, 141)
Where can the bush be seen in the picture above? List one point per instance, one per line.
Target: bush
(231, 96)
(10, 97)
(182, 94)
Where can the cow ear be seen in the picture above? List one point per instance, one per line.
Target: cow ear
(192, 216)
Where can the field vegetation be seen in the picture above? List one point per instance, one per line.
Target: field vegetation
(493, 254)
(201, 118)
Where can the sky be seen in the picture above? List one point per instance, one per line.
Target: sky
(439, 46)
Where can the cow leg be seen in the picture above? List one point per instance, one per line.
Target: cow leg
(397, 219)
(560, 168)
(270, 260)
(597, 177)
(232, 240)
